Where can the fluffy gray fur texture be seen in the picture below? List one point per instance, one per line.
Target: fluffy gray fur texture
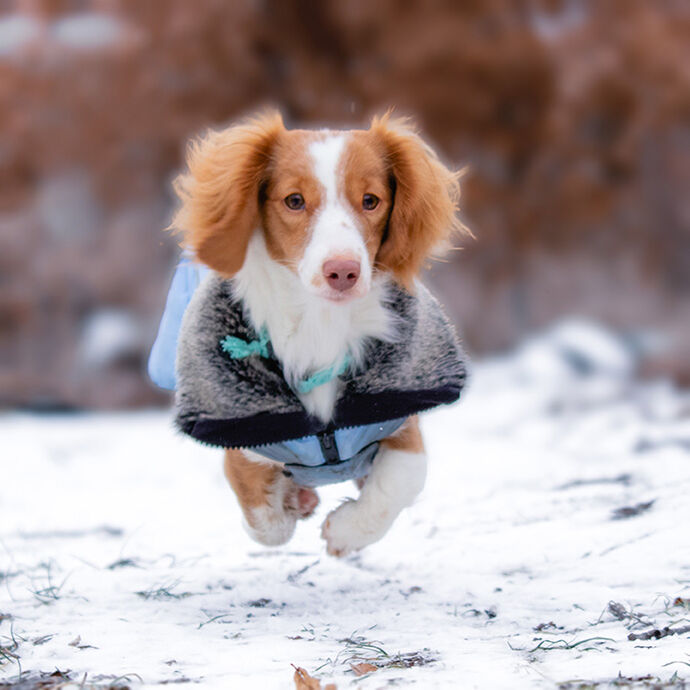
(212, 386)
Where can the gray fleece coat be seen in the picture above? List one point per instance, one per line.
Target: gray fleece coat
(246, 403)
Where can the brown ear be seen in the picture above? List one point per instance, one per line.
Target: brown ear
(425, 195)
(220, 191)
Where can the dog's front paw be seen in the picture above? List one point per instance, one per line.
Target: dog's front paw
(351, 527)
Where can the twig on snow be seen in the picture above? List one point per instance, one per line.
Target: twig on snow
(658, 633)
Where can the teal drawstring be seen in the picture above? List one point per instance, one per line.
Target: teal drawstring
(324, 376)
(239, 349)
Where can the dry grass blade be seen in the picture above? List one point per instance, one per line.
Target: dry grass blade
(547, 645)
(163, 591)
(631, 511)
(619, 612)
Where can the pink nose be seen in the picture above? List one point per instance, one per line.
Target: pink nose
(341, 274)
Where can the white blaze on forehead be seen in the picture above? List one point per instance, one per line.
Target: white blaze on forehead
(335, 231)
(326, 155)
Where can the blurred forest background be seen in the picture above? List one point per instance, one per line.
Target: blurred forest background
(572, 115)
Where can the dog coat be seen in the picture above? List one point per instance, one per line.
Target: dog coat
(240, 399)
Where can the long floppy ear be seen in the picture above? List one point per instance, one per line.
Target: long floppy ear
(425, 196)
(220, 191)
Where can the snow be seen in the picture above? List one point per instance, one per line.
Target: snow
(79, 32)
(553, 25)
(581, 347)
(123, 538)
(108, 335)
(88, 31)
(17, 31)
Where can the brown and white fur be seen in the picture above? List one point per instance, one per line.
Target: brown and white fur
(311, 226)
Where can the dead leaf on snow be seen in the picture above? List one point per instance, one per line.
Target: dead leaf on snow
(76, 642)
(303, 681)
(363, 668)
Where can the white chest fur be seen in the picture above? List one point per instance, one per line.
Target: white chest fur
(309, 333)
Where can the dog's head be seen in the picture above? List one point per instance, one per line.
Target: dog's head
(334, 206)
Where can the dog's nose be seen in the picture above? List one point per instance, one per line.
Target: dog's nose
(341, 274)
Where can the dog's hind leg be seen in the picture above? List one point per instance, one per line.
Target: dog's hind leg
(271, 502)
(396, 477)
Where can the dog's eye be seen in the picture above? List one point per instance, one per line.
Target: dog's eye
(295, 202)
(370, 202)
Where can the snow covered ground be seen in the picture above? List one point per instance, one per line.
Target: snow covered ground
(555, 523)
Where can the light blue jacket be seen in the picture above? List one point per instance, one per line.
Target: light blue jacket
(345, 453)
(161, 366)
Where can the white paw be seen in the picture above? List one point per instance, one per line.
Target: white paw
(269, 526)
(351, 527)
